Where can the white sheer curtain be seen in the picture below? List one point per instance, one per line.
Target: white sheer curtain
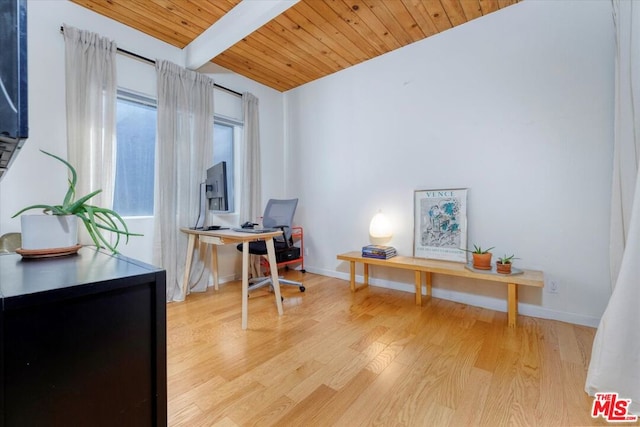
(615, 358)
(250, 199)
(250, 203)
(185, 148)
(91, 87)
(627, 143)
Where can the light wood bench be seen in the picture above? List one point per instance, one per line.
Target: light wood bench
(424, 267)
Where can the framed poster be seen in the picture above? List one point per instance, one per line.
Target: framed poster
(440, 224)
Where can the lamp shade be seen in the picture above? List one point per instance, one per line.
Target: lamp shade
(380, 227)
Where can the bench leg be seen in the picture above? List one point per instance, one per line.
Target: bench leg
(366, 275)
(418, 284)
(352, 274)
(512, 304)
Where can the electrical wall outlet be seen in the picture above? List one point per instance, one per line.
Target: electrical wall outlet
(552, 286)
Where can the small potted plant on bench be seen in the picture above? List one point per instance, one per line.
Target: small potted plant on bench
(503, 264)
(481, 257)
(55, 230)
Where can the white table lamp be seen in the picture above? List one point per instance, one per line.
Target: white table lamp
(380, 229)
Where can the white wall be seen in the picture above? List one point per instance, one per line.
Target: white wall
(516, 106)
(33, 178)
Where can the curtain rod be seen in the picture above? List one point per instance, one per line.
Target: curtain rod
(153, 62)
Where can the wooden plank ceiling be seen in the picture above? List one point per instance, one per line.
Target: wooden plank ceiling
(312, 39)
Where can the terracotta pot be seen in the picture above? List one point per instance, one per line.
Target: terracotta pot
(503, 268)
(482, 261)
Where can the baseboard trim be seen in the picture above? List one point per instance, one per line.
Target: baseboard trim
(474, 300)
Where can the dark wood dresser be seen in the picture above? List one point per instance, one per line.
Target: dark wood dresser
(82, 341)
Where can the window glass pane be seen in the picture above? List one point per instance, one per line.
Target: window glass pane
(135, 159)
(223, 141)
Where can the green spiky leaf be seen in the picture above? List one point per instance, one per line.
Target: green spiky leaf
(94, 218)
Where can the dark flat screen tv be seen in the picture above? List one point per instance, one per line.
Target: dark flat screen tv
(217, 190)
(13, 80)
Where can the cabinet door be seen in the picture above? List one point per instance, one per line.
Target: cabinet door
(89, 360)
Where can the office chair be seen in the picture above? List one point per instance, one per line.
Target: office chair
(277, 214)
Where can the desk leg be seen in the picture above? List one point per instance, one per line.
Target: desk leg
(191, 246)
(428, 282)
(418, 284)
(245, 284)
(352, 275)
(273, 266)
(512, 304)
(214, 265)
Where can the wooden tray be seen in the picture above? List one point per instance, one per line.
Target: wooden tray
(48, 253)
(493, 271)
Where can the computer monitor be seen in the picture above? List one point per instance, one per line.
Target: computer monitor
(217, 191)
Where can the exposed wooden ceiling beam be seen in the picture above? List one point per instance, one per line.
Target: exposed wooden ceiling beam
(239, 22)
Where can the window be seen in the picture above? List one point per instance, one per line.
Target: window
(136, 118)
(135, 154)
(225, 139)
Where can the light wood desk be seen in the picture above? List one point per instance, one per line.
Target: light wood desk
(424, 267)
(225, 237)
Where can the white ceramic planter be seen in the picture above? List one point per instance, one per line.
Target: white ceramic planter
(49, 231)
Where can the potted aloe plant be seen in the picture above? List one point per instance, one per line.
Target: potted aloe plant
(61, 220)
(481, 257)
(503, 264)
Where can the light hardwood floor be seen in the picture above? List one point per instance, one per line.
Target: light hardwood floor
(370, 358)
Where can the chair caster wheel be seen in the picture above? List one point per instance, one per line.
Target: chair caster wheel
(303, 270)
(281, 299)
(302, 289)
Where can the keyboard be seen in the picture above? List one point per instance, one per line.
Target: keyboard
(255, 230)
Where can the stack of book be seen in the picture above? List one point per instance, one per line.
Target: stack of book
(378, 251)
